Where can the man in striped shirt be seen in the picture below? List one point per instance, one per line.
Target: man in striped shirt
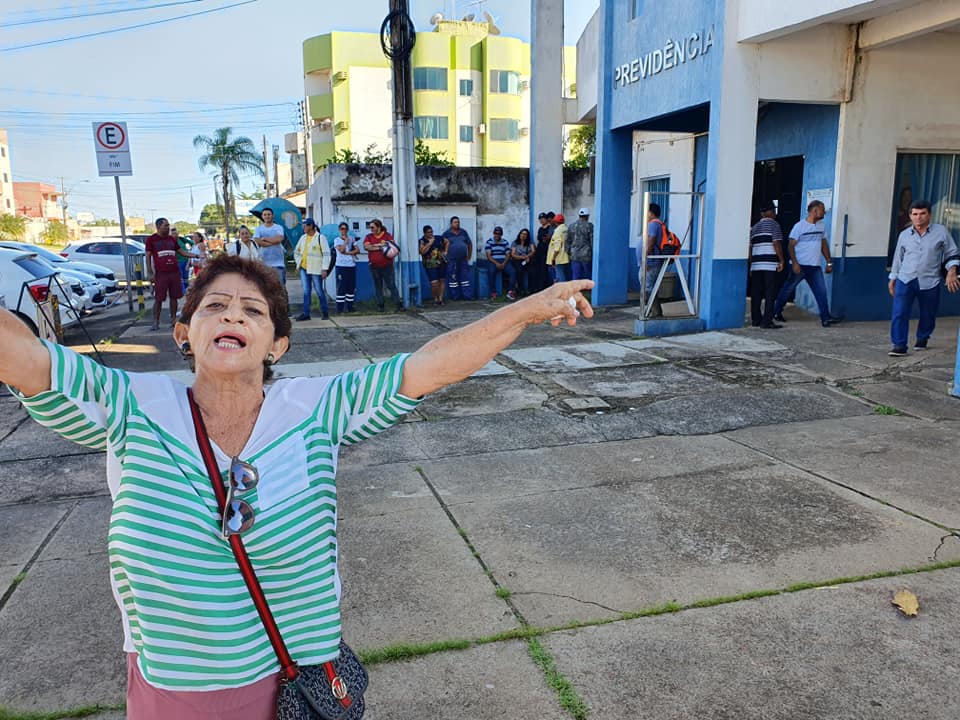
(766, 261)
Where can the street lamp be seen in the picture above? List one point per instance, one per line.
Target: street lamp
(63, 197)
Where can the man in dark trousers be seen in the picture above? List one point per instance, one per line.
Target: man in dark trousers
(538, 264)
(459, 251)
(766, 262)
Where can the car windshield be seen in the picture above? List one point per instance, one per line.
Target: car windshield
(35, 266)
(50, 257)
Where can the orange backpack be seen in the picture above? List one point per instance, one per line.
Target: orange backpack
(669, 242)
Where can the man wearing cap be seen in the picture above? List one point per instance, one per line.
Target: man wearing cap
(497, 250)
(766, 263)
(579, 246)
(311, 255)
(558, 261)
(538, 263)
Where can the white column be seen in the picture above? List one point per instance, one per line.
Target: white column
(546, 107)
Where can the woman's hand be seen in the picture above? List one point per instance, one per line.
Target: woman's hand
(559, 302)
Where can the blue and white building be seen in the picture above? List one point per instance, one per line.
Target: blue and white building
(855, 102)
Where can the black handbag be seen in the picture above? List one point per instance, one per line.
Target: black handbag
(330, 691)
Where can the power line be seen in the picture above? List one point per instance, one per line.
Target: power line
(98, 113)
(125, 28)
(96, 14)
(32, 91)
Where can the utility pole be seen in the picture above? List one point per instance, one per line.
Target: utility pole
(276, 171)
(63, 200)
(266, 169)
(402, 38)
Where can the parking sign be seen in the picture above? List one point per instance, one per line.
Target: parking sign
(112, 144)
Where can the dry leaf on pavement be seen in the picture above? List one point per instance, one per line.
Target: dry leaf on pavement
(907, 602)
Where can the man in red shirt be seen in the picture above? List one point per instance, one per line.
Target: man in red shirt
(163, 271)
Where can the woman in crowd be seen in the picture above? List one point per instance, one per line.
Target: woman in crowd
(195, 646)
(381, 252)
(311, 256)
(244, 246)
(432, 252)
(347, 249)
(521, 254)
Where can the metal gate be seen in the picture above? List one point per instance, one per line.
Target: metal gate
(663, 275)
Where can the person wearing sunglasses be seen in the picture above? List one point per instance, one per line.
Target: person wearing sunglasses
(265, 451)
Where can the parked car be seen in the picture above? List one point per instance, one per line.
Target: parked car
(25, 281)
(106, 252)
(104, 275)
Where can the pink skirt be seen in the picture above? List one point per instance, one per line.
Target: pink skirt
(257, 701)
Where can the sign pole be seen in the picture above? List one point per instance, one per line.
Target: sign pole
(123, 241)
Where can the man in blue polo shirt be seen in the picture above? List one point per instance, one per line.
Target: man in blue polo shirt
(808, 241)
(459, 250)
(497, 250)
(923, 249)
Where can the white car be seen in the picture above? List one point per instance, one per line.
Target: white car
(25, 281)
(103, 275)
(107, 252)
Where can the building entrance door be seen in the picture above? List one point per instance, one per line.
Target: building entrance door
(779, 181)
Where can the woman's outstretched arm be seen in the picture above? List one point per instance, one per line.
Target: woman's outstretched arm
(456, 355)
(24, 362)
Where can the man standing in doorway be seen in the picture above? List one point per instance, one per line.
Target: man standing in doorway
(808, 241)
(162, 269)
(766, 262)
(459, 252)
(922, 250)
(270, 239)
(580, 246)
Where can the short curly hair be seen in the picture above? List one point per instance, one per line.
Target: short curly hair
(266, 280)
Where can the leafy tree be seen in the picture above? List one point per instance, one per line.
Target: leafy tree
(583, 146)
(229, 156)
(101, 222)
(55, 234)
(423, 155)
(185, 227)
(257, 195)
(211, 218)
(12, 227)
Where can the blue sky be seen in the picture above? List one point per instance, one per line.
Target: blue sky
(249, 55)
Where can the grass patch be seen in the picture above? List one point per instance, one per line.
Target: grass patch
(393, 653)
(79, 712)
(566, 694)
(503, 593)
(17, 579)
(886, 410)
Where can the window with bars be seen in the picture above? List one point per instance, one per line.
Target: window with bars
(431, 127)
(430, 78)
(505, 82)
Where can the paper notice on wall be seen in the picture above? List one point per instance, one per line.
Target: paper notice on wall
(824, 195)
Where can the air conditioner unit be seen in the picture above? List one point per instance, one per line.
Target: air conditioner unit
(482, 129)
(524, 85)
(340, 76)
(524, 131)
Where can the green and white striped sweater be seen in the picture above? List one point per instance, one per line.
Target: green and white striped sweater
(185, 609)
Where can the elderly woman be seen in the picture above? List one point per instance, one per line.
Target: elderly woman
(195, 645)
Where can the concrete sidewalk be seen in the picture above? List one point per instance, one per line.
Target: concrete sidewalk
(596, 525)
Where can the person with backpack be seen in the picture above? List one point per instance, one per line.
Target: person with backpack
(660, 241)
(381, 251)
(311, 255)
(245, 246)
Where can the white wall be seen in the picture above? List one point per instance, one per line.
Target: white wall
(588, 69)
(807, 66)
(902, 99)
(469, 112)
(658, 155)
(371, 108)
(765, 19)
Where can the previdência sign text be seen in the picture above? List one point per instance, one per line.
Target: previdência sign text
(675, 52)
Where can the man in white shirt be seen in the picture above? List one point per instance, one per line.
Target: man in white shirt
(269, 237)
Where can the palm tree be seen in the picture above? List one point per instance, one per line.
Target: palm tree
(229, 156)
(12, 227)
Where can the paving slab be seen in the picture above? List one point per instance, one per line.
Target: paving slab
(827, 368)
(369, 492)
(840, 653)
(485, 682)
(408, 577)
(728, 342)
(591, 553)
(84, 532)
(743, 371)
(519, 429)
(398, 444)
(908, 462)
(915, 398)
(61, 640)
(487, 395)
(352, 320)
(22, 530)
(32, 440)
(385, 341)
(12, 415)
(549, 359)
(731, 408)
(51, 478)
(636, 381)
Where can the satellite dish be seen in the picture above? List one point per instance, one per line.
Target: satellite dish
(436, 18)
(491, 25)
(469, 18)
